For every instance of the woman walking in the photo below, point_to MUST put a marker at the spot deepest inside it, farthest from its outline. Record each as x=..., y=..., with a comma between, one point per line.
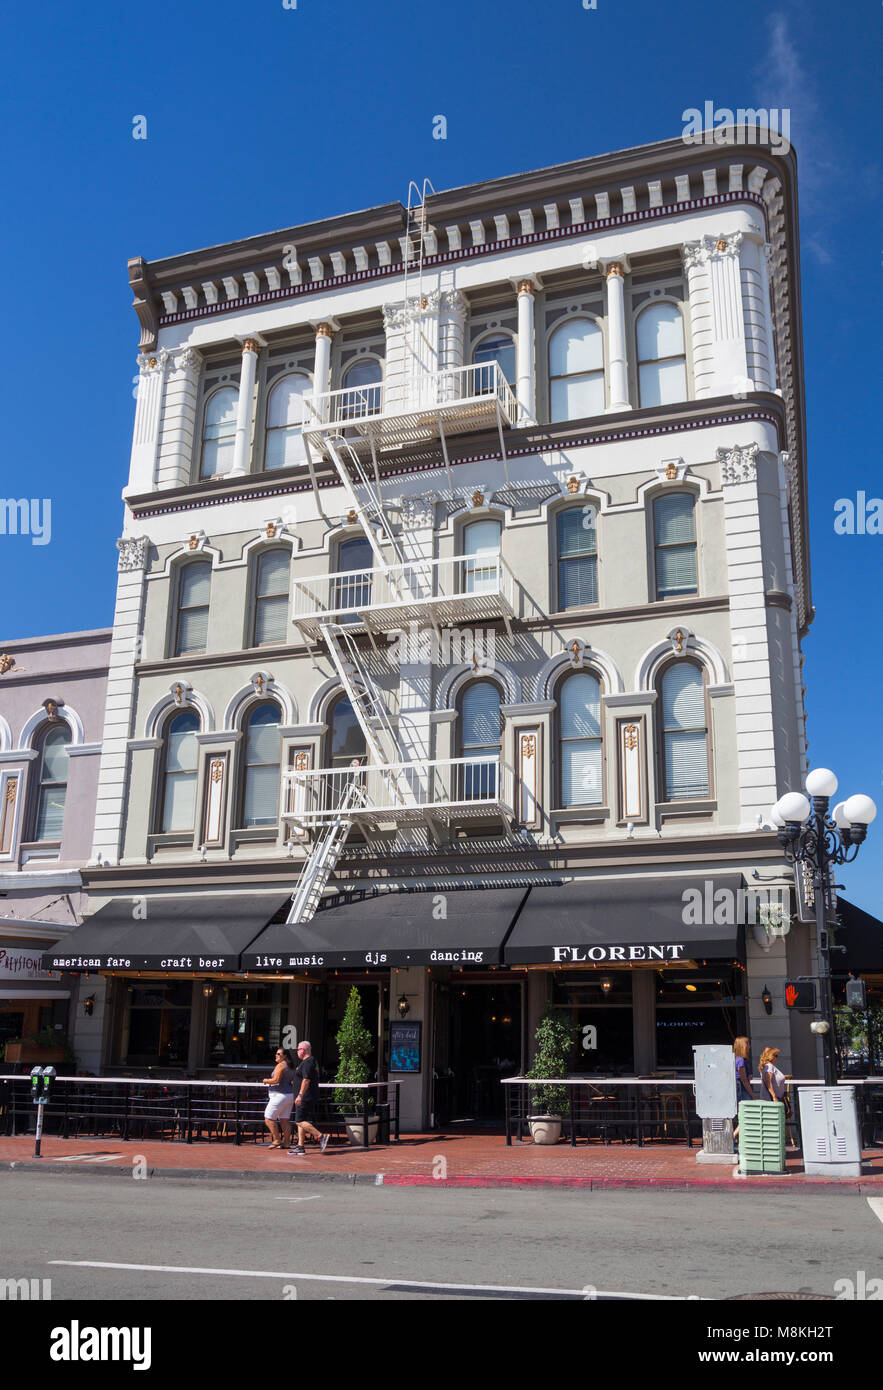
x=773, y=1081
x=277, y=1115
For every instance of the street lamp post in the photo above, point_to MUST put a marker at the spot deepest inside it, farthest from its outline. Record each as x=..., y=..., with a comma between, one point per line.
x=809, y=835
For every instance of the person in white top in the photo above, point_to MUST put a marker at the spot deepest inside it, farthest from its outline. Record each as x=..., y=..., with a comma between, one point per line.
x=772, y=1081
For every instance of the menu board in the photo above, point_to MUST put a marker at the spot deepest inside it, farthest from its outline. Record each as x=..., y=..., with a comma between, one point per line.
x=405, y=1041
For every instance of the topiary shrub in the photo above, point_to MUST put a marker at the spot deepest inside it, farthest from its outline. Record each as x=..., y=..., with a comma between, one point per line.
x=553, y=1046
x=353, y=1045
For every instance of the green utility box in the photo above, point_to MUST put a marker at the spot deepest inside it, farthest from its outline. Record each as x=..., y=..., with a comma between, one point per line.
x=761, y=1136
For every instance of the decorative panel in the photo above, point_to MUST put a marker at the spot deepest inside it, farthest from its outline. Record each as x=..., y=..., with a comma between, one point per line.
x=299, y=760
x=215, y=800
x=10, y=800
x=632, y=779
x=529, y=777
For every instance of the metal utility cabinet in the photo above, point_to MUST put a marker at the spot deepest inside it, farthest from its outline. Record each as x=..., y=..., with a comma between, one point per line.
x=829, y=1130
x=715, y=1086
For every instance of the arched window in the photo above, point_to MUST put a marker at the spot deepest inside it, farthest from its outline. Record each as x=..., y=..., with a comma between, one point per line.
x=577, y=557
x=480, y=739
x=499, y=348
x=285, y=409
x=346, y=741
x=684, y=733
x=219, y=431
x=579, y=732
x=353, y=584
x=261, y=768
x=271, y=597
x=362, y=383
x=662, y=365
x=674, y=535
x=179, y=780
x=481, y=546
x=576, y=370
x=191, y=619
x=52, y=787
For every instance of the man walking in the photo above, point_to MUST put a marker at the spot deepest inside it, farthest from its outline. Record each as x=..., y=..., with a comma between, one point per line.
x=307, y=1074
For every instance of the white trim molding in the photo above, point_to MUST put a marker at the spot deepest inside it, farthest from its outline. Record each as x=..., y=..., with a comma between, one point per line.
x=41, y=717
x=691, y=646
x=577, y=657
x=450, y=687
x=262, y=686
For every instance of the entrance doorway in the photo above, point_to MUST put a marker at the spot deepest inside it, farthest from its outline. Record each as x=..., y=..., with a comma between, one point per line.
x=479, y=1032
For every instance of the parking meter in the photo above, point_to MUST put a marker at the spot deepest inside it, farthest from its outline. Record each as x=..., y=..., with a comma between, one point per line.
x=41, y=1085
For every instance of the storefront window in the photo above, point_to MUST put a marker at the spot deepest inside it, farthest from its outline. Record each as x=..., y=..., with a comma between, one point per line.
x=245, y=1024
x=694, y=1008
x=600, y=1009
x=156, y=1024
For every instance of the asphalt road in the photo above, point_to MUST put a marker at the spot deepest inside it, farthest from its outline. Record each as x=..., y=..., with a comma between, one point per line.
x=180, y=1239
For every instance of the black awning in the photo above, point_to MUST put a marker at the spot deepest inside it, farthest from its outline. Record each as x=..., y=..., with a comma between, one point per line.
x=862, y=935
x=199, y=931
x=591, y=921
x=432, y=927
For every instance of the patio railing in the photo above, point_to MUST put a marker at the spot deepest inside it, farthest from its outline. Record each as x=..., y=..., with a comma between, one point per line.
x=180, y=1111
x=643, y=1107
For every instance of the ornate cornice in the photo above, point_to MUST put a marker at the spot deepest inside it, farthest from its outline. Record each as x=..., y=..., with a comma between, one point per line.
x=451, y=303
x=133, y=553
x=699, y=253
x=739, y=464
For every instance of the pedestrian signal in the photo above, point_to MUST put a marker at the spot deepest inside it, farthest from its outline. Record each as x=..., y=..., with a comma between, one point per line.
x=800, y=994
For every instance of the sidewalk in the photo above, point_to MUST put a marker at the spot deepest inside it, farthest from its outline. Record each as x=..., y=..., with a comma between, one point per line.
x=430, y=1160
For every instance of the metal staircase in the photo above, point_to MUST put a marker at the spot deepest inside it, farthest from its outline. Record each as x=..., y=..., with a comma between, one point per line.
x=323, y=859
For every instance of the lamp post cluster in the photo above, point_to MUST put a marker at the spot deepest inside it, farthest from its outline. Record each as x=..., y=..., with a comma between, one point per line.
x=810, y=835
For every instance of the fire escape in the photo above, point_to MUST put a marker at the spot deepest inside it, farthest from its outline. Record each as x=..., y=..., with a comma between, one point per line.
x=352, y=429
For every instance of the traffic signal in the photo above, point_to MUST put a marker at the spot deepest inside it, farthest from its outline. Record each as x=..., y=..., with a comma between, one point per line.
x=856, y=994
x=801, y=994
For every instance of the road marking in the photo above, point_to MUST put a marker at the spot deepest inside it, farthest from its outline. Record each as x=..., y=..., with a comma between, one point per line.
x=299, y=1199
x=433, y=1285
x=87, y=1158
x=876, y=1205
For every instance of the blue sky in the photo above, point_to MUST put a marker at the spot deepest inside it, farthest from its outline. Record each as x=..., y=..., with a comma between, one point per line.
x=260, y=117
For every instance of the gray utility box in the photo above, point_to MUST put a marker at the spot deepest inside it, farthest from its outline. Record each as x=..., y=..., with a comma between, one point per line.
x=829, y=1130
x=715, y=1072
x=715, y=1086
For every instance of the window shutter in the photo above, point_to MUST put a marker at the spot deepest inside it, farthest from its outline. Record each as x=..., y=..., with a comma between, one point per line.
x=480, y=715
x=581, y=772
x=674, y=519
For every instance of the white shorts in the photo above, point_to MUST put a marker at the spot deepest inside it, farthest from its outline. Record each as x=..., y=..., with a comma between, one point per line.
x=279, y=1106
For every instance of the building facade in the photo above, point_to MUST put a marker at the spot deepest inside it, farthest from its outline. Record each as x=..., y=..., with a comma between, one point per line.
x=52, y=705
x=461, y=588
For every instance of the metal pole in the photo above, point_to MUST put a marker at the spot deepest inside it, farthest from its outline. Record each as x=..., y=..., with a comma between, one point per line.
x=40, y=1108
x=820, y=885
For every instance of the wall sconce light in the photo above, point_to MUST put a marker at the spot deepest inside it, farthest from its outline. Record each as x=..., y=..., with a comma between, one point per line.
x=403, y=1006
x=767, y=1000
x=606, y=985
x=208, y=989
x=89, y=1006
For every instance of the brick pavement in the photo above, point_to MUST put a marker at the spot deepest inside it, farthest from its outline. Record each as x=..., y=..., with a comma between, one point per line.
x=429, y=1159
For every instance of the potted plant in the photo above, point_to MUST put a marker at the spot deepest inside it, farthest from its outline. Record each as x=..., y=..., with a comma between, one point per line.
x=549, y=1104
x=46, y=1047
x=354, y=1045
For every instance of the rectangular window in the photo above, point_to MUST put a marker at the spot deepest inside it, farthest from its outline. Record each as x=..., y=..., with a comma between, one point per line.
x=675, y=545
x=195, y=583
x=271, y=598
x=577, y=559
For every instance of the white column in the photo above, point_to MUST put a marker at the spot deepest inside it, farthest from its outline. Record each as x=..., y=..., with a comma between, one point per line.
x=720, y=363
x=176, y=465
x=322, y=361
x=750, y=666
x=244, y=408
x=527, y=354
x=126, y=648
x=617, y=369
x=148, y=413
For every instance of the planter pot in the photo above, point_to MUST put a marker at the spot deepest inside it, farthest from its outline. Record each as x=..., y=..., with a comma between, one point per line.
x=355, y=1128
x=545, y=1129
x=33, y=1053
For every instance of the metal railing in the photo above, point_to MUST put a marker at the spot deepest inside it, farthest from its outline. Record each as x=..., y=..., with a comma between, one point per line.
x=431, y=391
x=141, y=1108
x=441, y=784
x=642, y=1108
x=463, y=582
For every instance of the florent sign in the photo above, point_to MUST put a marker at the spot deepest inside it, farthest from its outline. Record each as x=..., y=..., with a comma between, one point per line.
x=574, y=955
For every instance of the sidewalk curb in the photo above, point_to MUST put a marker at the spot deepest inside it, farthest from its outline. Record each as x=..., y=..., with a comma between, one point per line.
x=853, y=1186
